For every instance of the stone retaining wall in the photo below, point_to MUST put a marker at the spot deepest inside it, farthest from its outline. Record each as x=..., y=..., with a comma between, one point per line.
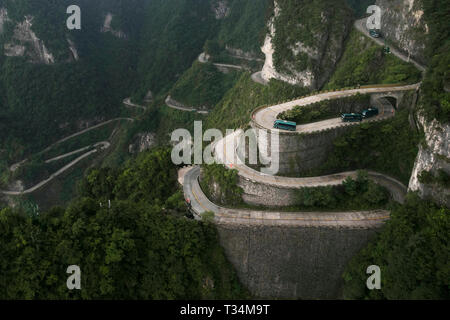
x=299, y=153
x=292, y=262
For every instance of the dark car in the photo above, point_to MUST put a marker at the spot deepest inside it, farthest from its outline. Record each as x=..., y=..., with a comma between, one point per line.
x=351, y=117
x=375, y=33
x=368, y=113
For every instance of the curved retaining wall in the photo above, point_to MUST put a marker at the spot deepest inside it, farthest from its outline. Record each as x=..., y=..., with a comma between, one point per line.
x=261, y=194
x=299, y=153
x=292, y=262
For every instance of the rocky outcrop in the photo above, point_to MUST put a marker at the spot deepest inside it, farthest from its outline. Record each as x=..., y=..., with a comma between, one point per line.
x=433, y=156
x=307, y=51
x=221, y=9
x=25, y=43
x=73, y=50
x=3, y=18
x=143, y=142
x=269, y=71
x=241, y=54
x=402, y=22
x=107, y=27
x=148, y=97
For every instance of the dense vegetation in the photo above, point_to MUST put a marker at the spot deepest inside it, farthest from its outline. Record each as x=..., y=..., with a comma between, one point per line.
x=235, y=108
x=203, y=85
x=354, y=194
x=364, y=62
x=413, y=253
x=226, y=192
x=53, y=96
x=376, y=146
x=326, y=109
x=140, y=248
x=244, y=27
x=41, y=103
x=435, y=100
x=143, y=247
x=172, y=38
x=441, y=178
x=308, y=23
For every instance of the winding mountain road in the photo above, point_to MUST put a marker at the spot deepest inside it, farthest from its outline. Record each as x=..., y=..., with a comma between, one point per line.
x=265, y=117
x=171, y=103
x=84, y=131
x=225, y=153
x=350, y=219
x=361, y=25
x=203, y=59
x=103, y=145
x=127, y=102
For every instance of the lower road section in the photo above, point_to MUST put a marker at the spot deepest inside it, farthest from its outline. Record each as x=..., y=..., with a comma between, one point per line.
x=201, y=204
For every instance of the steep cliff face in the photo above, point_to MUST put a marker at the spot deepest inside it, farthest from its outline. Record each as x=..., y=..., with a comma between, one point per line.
x=305, y=40
x=3, y=18
x=221, y=9
x=24, y=42
x=107, y=27
x=142, y=142
x=402, y=22
x=433, y=160
x=37, y=29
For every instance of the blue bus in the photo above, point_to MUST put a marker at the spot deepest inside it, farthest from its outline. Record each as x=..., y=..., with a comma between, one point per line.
x=371, y=112
x=285, y=125
x=351, y=117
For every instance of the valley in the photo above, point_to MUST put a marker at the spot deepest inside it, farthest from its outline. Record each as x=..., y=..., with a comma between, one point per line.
x=88, y=177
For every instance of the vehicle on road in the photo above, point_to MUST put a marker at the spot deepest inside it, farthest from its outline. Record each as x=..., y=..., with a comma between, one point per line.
x=371, y=112
x=351, y=117
x=285, y=125
x=375, y=33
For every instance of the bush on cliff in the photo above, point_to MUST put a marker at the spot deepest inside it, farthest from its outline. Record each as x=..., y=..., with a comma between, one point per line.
x=142, y=247
x=221, y=184
x=388, y=146
x=413, y=253
x=234, y=110
x=355, y=194
x=364, y=62
x=203, y=85
x=326, y=109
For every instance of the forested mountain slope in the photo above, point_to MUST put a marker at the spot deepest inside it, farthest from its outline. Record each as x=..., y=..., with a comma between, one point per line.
x=55, y=82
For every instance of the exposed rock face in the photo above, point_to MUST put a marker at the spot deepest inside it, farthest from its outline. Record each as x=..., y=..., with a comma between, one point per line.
x=221, y=9
x=433, y=157
x=107, y=27
x=304, y=52
x=269, y=71
x=148, y=97
x=73, y=49
x=215, y=193
x=3, y=18
x=402, y=22
x=25, y=43
x=241, y=54
x=143, y=142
